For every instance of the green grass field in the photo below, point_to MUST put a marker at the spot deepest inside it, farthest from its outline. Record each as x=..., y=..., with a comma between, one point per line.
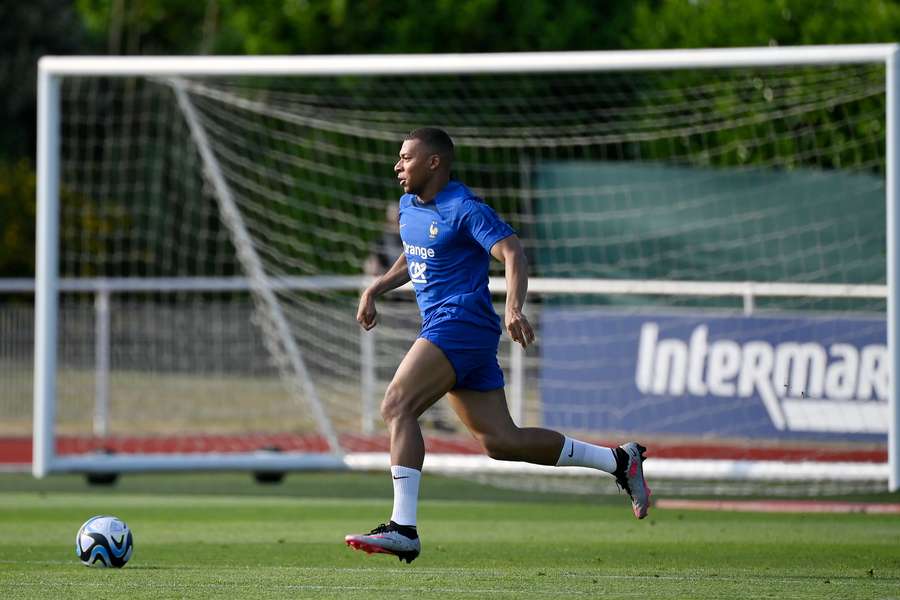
x=223, y=536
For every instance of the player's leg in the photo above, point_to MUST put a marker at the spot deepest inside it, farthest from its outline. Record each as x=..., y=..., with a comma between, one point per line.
x=486, y=415
x=422, y=378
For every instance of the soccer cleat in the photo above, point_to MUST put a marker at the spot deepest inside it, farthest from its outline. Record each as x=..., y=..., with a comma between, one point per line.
x=630, y=477
x=399, y=540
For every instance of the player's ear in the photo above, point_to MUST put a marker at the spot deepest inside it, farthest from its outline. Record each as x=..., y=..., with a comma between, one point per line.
x=434, y=162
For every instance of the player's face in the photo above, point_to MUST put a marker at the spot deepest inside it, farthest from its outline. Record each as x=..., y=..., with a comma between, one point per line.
x=415, y=167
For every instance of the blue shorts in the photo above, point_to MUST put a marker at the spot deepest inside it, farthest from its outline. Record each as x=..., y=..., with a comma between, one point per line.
x=471, y=350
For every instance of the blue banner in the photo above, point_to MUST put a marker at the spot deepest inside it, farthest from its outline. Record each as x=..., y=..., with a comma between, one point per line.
x=721, y=376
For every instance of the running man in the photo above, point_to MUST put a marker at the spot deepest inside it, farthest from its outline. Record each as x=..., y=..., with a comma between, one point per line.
x=449, y=236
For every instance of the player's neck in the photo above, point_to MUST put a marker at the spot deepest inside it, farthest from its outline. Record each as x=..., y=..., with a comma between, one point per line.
x=433, y=188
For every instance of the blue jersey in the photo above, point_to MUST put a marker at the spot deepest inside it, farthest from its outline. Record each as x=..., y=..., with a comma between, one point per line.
x=447, y=243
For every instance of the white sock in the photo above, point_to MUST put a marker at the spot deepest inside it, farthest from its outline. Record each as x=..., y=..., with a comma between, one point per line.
x=581, y=454
x=406, y=494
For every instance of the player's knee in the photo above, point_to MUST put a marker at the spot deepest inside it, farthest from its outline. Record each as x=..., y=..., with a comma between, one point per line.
x=396, y=404
x=500, y=447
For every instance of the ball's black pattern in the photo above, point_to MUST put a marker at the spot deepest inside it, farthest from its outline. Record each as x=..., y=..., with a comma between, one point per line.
x=104, y=541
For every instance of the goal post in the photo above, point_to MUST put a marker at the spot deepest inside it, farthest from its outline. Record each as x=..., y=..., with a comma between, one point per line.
x=892, y=202
x=290, y=158
x=46, y=271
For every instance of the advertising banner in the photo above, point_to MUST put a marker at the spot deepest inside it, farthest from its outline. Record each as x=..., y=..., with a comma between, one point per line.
x=723, y=376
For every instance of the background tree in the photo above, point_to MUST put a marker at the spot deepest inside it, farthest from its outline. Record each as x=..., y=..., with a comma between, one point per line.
x=342, y=27
x=29, y=30
x=732, y=23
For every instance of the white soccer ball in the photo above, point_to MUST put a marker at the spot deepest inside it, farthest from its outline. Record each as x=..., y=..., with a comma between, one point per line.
x=104, y=541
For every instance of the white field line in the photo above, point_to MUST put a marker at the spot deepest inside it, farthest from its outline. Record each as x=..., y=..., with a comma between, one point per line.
x=780, y=506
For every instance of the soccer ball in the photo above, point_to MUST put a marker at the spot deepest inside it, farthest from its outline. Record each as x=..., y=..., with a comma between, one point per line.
x=104, y=541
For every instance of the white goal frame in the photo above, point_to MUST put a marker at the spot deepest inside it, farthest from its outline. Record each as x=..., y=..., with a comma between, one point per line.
x=48, y=284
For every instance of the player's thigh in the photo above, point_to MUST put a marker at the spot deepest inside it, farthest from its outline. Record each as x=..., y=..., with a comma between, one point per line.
x=423, y=377
x=485, y=414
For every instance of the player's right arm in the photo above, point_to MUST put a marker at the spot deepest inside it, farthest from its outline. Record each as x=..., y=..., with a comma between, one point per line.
x=396, y=276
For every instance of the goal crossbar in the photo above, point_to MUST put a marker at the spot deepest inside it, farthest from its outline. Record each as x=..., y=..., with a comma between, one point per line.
x=495, y=62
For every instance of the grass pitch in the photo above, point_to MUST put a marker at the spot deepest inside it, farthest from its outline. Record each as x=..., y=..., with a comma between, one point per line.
x=221, y=535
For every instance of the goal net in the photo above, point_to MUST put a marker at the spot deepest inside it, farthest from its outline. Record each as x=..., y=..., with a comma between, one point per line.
x=707, y=249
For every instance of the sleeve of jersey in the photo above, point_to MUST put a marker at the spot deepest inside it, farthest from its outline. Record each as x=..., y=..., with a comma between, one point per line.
x=481, y=222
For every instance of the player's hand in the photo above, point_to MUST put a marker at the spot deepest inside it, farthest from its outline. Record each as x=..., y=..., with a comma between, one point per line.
x=366, y=314
x=519, y=328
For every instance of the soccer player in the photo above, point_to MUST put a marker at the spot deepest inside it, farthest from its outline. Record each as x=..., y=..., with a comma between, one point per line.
x=449, y=236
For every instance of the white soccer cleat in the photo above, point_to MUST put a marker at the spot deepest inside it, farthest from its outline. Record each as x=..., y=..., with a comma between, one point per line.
x=630, y=477
x=399, y=540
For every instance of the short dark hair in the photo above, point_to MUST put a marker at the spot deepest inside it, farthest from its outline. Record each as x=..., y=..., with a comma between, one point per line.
x=437, y=140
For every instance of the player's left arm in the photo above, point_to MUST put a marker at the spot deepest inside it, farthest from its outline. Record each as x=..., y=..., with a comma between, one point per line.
x=509, y=251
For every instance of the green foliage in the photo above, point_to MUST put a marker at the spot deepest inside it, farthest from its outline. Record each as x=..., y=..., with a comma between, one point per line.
x=730, y=23
x=154, y=27
x=378, y=26
x=17, y=223
x=29, y=30
x=341, y=27
x=17, y=219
